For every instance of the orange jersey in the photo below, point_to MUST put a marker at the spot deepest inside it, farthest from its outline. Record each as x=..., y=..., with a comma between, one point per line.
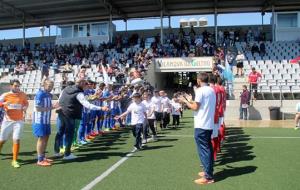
x=14, y=105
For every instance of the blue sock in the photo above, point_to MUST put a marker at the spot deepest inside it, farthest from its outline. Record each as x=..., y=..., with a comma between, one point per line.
x=41, y=158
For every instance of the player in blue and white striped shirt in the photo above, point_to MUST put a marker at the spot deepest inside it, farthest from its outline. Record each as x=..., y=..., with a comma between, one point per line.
x=41, y=126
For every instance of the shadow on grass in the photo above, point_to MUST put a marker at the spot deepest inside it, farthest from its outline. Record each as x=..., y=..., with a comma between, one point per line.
x=235, y=149
x=233, y=172
x=156, y=147
x=101, y=148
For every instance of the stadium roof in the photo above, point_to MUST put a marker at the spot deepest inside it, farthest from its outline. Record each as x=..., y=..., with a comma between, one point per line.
x=56, y=12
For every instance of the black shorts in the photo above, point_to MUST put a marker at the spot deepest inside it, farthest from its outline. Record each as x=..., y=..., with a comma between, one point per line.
x=240, y=65
x=158, y=116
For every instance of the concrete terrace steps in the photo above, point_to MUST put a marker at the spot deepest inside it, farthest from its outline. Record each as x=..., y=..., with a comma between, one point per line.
x=260, y=109
x=238, y=86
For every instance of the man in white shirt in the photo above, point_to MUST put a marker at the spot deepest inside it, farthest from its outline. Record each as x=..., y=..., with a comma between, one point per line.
x=156, y=100
x=204, y=110
x=138, y=116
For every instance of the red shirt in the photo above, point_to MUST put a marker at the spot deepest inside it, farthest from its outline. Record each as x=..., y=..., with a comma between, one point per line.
x=218, y=100
x=222, y=106
x=253, y=77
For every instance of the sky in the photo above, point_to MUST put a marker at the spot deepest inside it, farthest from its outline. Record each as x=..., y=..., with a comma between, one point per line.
x=150, y=23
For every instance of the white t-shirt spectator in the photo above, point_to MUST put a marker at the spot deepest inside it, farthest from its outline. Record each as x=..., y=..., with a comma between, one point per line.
x=149, y=109
x=166, y=104
x=157, y=103
x=204, y=117
x=137, y=113
x=176, y=108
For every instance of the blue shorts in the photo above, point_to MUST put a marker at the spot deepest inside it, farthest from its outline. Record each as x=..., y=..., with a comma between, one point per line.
x=40, y=130
x=99, y=113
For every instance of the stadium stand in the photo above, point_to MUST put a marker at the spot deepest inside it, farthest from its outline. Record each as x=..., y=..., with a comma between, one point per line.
x=12, y=58
x=279, y=76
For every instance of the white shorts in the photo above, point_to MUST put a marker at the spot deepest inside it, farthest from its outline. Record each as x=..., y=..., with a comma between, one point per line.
x=221, y=121
x=11, y=127
x=215, y=132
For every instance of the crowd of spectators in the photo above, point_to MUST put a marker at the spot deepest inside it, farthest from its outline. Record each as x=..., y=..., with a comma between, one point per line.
x=130, y=57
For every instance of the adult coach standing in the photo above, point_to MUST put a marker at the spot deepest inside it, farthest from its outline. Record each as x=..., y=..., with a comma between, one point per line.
x=204, y=110
x=72, y=101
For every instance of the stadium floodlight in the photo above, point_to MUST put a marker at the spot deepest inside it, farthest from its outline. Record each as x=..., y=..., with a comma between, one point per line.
x=203, y=21
x=183, y=22
x=193, y=22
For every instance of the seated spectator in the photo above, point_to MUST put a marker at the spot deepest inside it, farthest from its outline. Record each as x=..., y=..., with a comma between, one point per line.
x=64, y=82
x=109, y=70
x=85, y=62
x=19, y=69
x=82, y=73
x=67, y=68
x=31, y=66
x=254, y=49
x=262, y=49
x=55, y=66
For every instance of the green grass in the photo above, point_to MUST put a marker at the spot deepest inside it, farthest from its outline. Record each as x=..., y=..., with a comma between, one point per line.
x=171, y=163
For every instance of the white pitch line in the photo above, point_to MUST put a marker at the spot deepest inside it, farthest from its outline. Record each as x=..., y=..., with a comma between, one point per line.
x=108, y=171
x=251, y=137
x=254, y=137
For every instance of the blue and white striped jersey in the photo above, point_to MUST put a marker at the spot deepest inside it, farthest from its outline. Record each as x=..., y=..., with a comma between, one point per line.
x=42, y=99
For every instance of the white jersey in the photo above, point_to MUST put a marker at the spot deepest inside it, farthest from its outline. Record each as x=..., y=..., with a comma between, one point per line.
x=150, y=109
x=157, y=103
x=137, y=113
x=166, y=104
x=176, y=107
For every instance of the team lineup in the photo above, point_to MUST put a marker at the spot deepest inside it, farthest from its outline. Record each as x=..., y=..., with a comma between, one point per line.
x=85, y=111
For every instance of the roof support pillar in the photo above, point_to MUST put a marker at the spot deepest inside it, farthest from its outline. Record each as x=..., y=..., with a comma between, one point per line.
x=126, y=26
x=216, y=25
x=110, y=31
x=273, y=24
x=23, y=26
x=169, y=22
x=161, y=27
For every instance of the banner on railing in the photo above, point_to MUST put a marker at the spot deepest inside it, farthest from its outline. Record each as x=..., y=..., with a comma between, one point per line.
x=184, y=64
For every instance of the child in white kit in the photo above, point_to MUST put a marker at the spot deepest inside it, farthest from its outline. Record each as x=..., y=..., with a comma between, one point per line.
x=138, y=116
x=176, y=108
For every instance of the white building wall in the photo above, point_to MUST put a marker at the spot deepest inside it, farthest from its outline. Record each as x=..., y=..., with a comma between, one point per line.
x=287, y=33
x=85, y=40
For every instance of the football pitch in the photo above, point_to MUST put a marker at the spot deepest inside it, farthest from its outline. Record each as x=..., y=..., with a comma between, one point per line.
x=251, y=158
